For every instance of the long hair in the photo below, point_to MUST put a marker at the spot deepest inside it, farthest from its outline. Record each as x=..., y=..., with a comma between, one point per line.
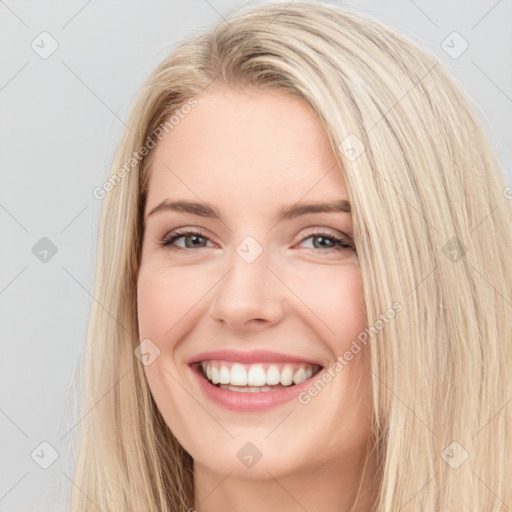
x=432, y=227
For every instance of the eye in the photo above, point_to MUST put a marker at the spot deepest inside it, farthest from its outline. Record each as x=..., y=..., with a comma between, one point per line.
x=329, y=241
x=195, y=239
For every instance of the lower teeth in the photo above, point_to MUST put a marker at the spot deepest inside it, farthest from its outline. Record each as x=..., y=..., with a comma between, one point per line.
x=250, y=389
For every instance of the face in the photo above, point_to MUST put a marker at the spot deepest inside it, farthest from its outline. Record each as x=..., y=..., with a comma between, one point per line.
x=231, y=284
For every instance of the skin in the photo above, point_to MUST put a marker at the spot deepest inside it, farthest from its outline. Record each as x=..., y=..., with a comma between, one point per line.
x=250, y=154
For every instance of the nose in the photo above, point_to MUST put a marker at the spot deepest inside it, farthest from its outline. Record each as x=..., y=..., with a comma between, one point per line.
x=249, y=295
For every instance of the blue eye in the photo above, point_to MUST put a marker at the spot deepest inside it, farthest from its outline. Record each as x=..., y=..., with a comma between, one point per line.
x=195, y=240
x=334, y=241
x=189, y=234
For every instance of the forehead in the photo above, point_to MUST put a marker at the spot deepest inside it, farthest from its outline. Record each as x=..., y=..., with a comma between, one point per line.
x=263, y=145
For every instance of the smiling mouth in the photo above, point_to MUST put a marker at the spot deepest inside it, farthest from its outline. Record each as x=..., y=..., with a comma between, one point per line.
x=254, y=378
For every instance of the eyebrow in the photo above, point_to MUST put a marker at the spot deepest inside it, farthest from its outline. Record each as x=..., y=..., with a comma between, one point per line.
x=285, y=213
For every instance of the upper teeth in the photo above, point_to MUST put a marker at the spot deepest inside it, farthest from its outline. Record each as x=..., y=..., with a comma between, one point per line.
x=237, y=374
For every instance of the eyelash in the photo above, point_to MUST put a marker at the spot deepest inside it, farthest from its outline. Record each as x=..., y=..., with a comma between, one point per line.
x=342, y=243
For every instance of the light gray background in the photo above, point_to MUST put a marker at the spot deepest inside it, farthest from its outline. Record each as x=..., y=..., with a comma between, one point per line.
x=60, y=120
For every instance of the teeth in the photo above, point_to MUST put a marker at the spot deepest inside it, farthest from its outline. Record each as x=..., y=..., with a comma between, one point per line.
x=299, y=376
x=287, y=376
x=256, y=377
x=238, y=375
x=215, y=375
x=224, y=375
x=246, y=389
x=273, y=375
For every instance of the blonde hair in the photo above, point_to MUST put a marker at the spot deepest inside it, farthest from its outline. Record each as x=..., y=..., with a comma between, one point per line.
x=432, y=231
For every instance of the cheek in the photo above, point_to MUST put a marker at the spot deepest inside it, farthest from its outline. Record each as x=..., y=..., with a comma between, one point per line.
x=334, y=295
x=165, y=299
x=345, y=308
x=331, y=296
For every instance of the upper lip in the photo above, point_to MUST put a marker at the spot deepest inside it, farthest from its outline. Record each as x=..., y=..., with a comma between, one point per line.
x=254, y=356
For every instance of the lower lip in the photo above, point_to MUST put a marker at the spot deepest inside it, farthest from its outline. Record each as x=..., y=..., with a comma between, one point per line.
x=249, y=401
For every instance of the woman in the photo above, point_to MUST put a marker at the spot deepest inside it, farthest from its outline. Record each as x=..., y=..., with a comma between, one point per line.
x=303, y=300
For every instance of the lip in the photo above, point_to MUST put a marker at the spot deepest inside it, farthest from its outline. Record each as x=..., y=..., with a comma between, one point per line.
x=254, y=356
x=247, y=402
